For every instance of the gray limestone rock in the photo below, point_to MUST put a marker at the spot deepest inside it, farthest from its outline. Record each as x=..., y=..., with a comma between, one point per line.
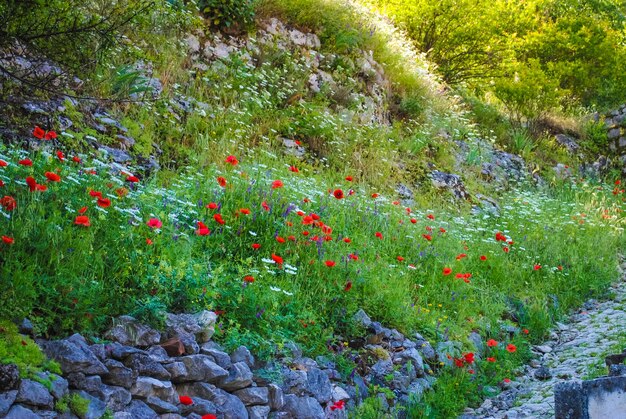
x=239, y=376
x=145, y=387
x=303, y=407
x=129, y=331
x=9, y=377
x=242, y=354
x=33, y=393
x=202, y=368
x=119, y=374
x=74, y=356
x=253, y=395
x=6, y=401
x=20, y=412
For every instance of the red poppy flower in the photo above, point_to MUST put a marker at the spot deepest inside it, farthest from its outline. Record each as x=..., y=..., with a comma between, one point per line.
x=53, y=177
x=461, y=256
x=82, y=210
x=536, y=267
x=8, y=203
x=245, y=211
x=442, y=230
x=349, y=178
x=277, y=259
x=82, y=220
x=154, y=223
x=3, y=163
x=447, y=271
x=277, y=184
x=148, y=241
x=330, y=263
x=374, y=195
x=26, y=162
x=186, y=400
x=525, y=331
x=280, y=239
x=505, y=249
x=103, y=202
x=400, y=258
x=507, y=380
x=76, y=159
x=248, y=278
x=395, y=203
x=294, y=169
x=60, y=155
x=430, y=217
x=32, y=183
x=50, y=135
x=265, y=206
x=338, y=193
x=39, y=133
x=491, y=343
x=338, y=405
x=7, y=239
x=427, y=237
x=379, y=235
x=500, y=237
x=95, y=194
x=202, y=230
x=232, y=160
x=483, y=258
x=218, y=218
x=491, y=359
x=469, y=357
x=212, y=205
x=413, y=220
x=132, y=179
x=459, y=362
x=347, y=240
x=221, y=180
x=256, y=246
x=353, y=256
x=209, y=416
x=511, y=348
x=291, y=238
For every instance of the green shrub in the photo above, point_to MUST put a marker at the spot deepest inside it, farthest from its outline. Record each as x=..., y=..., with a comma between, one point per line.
x=228, y=13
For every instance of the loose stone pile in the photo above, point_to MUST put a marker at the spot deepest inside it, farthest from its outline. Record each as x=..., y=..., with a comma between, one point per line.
x=142, y=373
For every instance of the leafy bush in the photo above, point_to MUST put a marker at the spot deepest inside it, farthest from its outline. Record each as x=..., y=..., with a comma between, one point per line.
x=228, y=13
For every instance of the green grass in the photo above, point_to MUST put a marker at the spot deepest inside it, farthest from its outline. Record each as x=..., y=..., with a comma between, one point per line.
x=71, y=278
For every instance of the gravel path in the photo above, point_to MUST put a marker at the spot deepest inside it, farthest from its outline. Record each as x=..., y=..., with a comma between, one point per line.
x=574, y=350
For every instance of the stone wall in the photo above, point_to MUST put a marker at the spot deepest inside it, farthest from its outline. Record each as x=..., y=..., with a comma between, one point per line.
x=180, y=372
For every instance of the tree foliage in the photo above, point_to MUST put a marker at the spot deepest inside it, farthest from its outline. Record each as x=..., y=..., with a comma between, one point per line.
x=577, y=47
